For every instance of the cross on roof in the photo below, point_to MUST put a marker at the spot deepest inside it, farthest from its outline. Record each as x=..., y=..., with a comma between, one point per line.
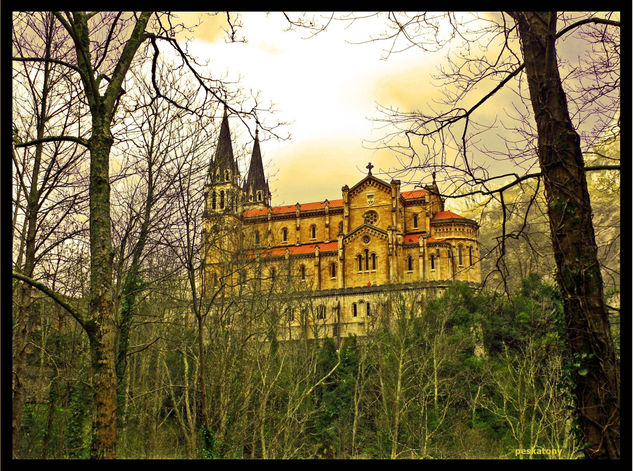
x=369, y=167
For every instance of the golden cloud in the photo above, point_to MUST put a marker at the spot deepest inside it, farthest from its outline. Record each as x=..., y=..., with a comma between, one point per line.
x=207, y=26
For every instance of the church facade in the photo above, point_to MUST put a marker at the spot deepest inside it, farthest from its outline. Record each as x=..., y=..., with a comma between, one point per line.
x=333, y=264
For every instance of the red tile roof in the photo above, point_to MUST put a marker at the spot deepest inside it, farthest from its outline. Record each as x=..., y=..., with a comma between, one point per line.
x=413, y=238
x=408, y=238
x=447, y=215
x=413, y=194
x=291, y=208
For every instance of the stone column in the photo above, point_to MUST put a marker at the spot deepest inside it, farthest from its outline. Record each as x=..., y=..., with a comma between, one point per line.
x=345, y=191
x=341, y=260
x=298, y=224
x=327, y=221
x=317, y=267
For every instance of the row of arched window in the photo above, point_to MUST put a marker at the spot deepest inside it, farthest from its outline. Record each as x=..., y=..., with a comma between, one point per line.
x=302, y=271
x=222, y=200
x=436, y=256
x=321, y=311
x=366, y=261
x=284, y=233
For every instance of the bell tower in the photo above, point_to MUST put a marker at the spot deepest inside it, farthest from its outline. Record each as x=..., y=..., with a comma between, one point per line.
x=222, y=207
x=223, y=180
x=256, y=191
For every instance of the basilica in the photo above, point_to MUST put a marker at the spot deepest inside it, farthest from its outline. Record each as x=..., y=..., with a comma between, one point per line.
x=332, y=263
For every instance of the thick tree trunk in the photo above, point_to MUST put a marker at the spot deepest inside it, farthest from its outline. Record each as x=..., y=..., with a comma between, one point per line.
x=101, y=328
x=597, y=381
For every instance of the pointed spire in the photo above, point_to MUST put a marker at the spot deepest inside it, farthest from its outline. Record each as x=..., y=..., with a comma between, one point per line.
x=224, y=159
x=256, y=179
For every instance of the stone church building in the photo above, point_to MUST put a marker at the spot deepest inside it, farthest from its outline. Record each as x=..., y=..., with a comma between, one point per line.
x=332, y=264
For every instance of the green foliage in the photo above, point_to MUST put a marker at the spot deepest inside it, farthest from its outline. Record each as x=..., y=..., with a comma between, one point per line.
x=78, y=435
x=459, y=376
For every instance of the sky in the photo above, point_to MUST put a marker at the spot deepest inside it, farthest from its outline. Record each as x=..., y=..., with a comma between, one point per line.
x=328, y=87
x=325, y=87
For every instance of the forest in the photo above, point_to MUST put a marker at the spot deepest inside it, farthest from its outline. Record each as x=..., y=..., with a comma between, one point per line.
x=119, y=351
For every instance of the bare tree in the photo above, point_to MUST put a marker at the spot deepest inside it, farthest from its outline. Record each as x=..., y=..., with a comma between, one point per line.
x=557, y=118
x=104, y=47
x=48, y=187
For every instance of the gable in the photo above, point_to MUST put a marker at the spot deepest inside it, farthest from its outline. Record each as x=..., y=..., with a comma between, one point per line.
x=370, y=182
x=365, y=229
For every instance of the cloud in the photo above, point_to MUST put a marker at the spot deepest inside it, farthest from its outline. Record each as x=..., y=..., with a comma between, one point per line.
x=207, y=27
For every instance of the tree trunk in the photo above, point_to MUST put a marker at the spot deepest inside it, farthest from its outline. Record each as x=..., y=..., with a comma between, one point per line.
x=597, y=381
x=101, y=329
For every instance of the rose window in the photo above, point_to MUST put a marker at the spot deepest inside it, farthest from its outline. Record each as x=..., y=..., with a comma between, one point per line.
x=370, y=217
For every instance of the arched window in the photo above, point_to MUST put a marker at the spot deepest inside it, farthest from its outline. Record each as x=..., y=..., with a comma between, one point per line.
x=250, y=197
x=222, y=199
x=368, y=309
x=302, y=271
x=470, y=255
x=227, y=175
x=215, y=279
x=366, y=259
x=354, y=310
x=410, y=263
x=259, y=195
x=432, y=262
x=415, y=220
x=321, y=312
x=256, y=237
x=340, y=227
x=313, y=231
x=360, y=262
x=333, y=269
x=291, y=314
x=272, y=273
x=459, y=255
x=373, y=261
x=284, y=234
x=213, y=200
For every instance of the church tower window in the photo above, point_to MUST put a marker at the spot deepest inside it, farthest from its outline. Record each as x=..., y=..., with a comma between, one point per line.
x=256, y=237
x=259, y=195
x=222, y=199
x=340, y=227
x=432, y=262
x=213, y=200
x=415, y=221
x=313, y=231
x=373, y=261
x=333, y=269
x=284, y=234
x=410, y=263
x=370, y=217
x=302, y=272
x=366, y=259
x=227, y=175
